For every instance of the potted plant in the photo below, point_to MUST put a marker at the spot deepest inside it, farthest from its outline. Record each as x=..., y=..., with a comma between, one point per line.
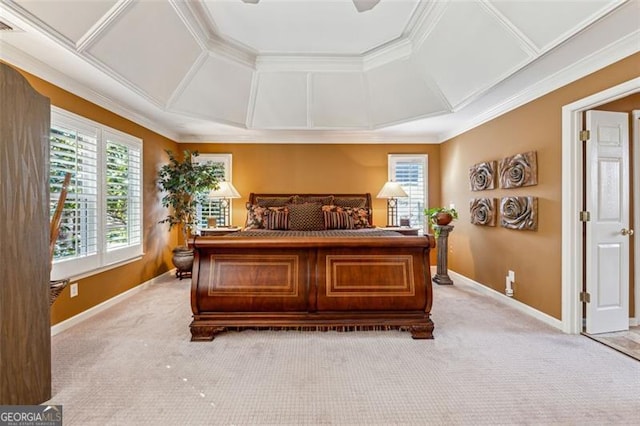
x=186, y=184
x=440, y=216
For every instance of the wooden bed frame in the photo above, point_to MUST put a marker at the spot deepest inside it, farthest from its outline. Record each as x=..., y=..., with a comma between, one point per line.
x=342, y=283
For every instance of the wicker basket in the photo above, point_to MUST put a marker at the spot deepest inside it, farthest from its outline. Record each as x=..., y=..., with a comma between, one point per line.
x=55, y=288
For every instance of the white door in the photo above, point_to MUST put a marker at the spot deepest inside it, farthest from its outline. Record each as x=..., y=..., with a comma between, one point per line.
x=607, y=233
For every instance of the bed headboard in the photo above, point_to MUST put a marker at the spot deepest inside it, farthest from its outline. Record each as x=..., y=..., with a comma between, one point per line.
x=367, y=197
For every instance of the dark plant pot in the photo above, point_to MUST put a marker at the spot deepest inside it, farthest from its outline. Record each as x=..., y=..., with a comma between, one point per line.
x=443, y=218
x=183, y=261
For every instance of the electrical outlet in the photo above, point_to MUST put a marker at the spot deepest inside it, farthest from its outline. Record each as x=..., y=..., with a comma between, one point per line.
x=512, y=276
x=452, y=206
x=73, y=289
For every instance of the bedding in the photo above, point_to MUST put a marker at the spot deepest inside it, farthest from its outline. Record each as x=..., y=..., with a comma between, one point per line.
x=272, y=276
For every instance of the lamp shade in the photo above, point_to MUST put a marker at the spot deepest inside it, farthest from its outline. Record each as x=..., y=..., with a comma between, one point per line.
x=391, y=190
x=225, y=190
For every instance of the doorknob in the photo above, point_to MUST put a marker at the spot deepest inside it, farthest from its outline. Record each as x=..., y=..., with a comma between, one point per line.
x=626, y=231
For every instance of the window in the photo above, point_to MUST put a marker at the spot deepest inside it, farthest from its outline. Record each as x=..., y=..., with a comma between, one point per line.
x=102, y=217
x=410, y=171
x=213, y=208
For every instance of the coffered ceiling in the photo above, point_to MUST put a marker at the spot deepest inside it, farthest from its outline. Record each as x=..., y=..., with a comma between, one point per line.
x=315, y=70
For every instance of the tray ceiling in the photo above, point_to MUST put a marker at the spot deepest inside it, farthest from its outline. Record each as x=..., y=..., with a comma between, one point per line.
x=312, y=70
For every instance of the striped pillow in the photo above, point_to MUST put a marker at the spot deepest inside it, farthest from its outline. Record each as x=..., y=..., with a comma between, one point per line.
x=277, y=219
x=359, y=217
x=337, y=220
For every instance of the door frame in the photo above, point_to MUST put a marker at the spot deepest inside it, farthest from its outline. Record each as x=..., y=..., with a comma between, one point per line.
x=636, y=209
x=572, y=187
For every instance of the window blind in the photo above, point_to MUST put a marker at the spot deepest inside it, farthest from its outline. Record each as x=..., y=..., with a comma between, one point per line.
x=212, y=207
x=75, y=151
x=410, y=171
x=102, y=216
x=123, y=200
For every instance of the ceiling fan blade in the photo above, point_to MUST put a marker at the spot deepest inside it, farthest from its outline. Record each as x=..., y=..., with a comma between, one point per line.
x=364, y=5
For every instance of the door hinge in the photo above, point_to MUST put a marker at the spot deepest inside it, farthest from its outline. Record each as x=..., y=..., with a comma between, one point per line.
x=585, y=297
x=585, y=135
x=585, y=216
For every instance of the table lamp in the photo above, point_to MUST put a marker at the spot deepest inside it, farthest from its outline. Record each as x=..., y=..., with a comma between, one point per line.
x=392, y=191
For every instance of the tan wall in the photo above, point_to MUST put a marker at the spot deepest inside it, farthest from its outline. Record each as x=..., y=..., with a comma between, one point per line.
x=157, y=242
x=485, y=254
x=316, y=168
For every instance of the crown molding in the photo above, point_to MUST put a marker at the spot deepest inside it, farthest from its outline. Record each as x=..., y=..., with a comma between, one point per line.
x=36, y=67
x=525, y=42
x=198, y=19
x=33, y=23
x=418, y=17
x=152, y=113
x=279, y=63
x=101, y=25
x=231, y=50
x=321, y=137
x=193, y=70
x=426, y=22
x=606, y=56
x=477, y=94
x=395, y=50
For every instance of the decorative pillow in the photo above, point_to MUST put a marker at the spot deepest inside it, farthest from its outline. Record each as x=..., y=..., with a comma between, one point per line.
x=306, y=217
x=274, y=201
x=360, y=217
x=277, y=219
x=337, y=220
x=256, y=216
x=311, y=199
x=357, y=202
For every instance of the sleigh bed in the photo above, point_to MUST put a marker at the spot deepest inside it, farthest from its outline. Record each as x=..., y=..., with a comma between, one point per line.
x=304, y=277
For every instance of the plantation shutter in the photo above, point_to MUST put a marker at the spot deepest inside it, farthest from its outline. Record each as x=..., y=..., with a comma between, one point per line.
x=410, y=171
x=101, y=221
x=123, y=198
x=75, y=149
x=212, y=207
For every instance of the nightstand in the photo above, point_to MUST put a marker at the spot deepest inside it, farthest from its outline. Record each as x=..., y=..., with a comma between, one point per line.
x=404, y=230
x=217, y=232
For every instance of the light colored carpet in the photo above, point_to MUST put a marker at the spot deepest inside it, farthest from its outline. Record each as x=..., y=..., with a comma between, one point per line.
x=133, y=364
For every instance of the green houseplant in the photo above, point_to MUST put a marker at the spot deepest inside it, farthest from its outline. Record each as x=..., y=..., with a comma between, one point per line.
x=440, y=216
x=185, y=183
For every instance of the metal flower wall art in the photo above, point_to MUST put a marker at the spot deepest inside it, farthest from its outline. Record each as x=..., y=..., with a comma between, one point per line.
x=483, y=211
x=519, y=213
x=519, y=170
x=482, y=176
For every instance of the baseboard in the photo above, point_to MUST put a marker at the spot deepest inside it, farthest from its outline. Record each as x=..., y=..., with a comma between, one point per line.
x=634, y=322
x=547, y=319
x=82, y=316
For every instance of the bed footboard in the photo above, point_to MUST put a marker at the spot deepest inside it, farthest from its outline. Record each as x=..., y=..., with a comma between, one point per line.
x=321, y=283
